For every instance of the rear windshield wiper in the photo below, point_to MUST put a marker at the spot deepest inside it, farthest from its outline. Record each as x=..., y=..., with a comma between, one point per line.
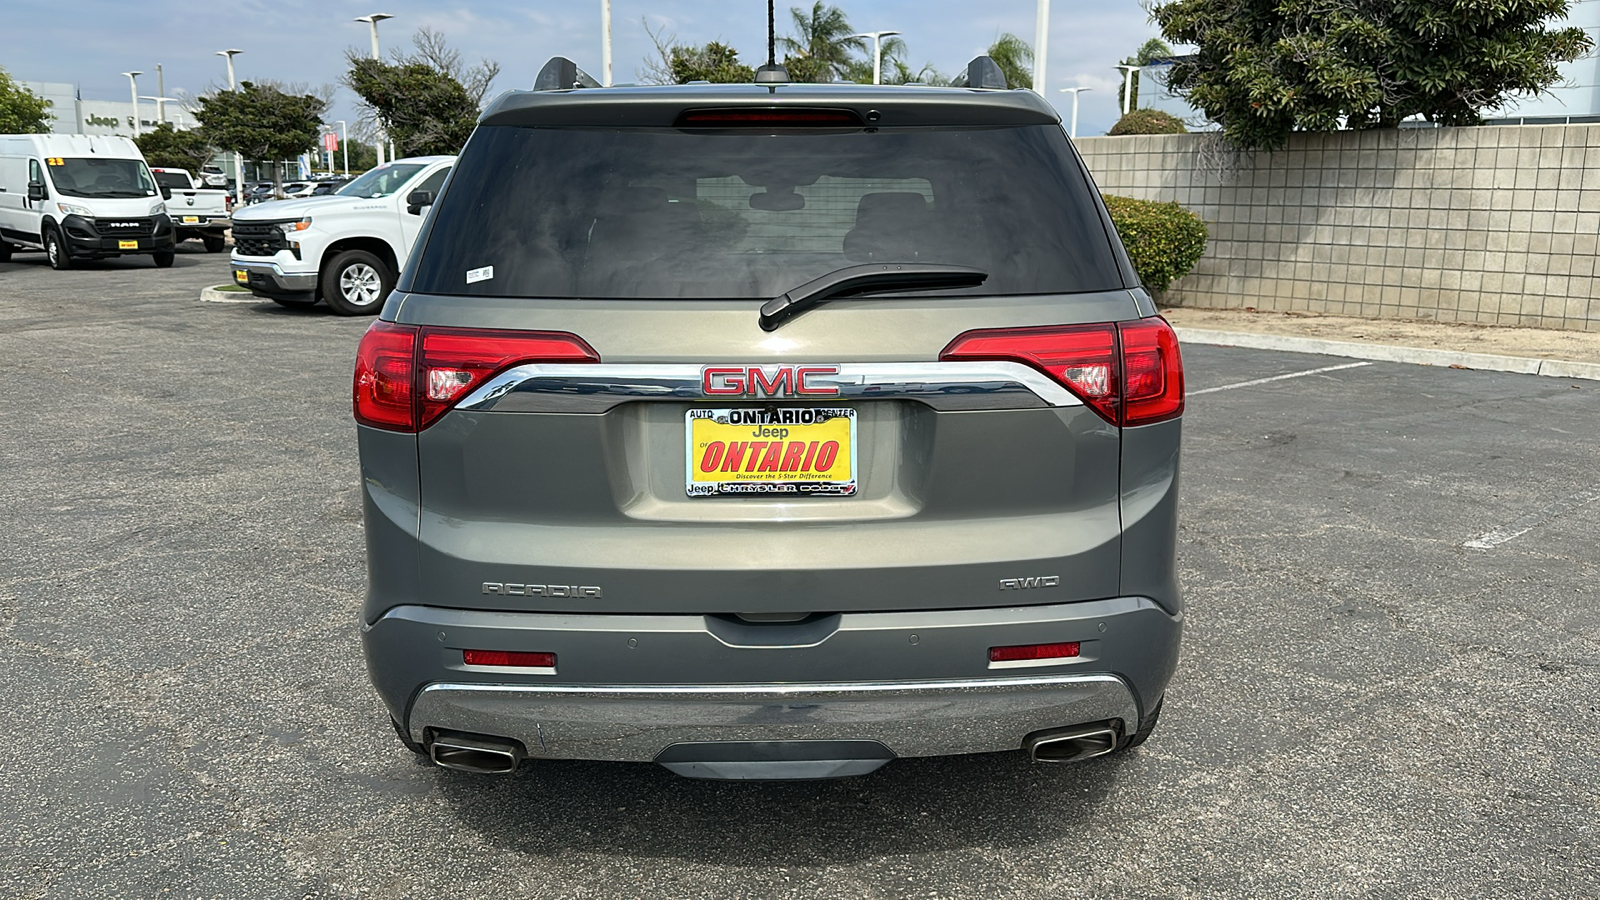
x=873, y=278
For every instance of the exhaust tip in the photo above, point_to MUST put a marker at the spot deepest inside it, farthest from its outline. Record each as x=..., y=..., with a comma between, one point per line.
x=1072, y=744
x=478, y=754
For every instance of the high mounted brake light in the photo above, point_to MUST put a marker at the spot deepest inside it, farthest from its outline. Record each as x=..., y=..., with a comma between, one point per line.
x=407, y=377
x=770, y=118
x=1130, y=373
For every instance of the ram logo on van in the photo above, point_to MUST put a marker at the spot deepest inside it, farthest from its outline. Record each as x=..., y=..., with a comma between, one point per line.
x=1023, y=584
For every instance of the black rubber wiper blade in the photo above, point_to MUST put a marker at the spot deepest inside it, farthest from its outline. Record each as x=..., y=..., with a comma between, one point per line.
x=872, y=278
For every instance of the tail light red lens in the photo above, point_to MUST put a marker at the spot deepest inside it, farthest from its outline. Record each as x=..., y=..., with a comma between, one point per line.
x=1152, y=372
x=407, y=377
x=453, y=362
x=772, y=118
x=384, y=365
x=510, y=658
x=1027, y=652
x=1130, y=373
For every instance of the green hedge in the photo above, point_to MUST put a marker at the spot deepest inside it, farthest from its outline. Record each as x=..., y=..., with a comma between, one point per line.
x=1148, y=121
x=1164, y=240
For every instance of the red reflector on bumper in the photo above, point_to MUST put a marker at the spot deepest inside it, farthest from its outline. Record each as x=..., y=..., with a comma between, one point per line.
x=1033, y=651
x=509, y=658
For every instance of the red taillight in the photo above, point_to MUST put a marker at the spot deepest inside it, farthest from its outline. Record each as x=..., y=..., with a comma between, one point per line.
x=384, y=364
x=1029, y=652
x=1152, y=372
x=509, y=658
x=773, y=118
x=407, y=377
x=1128, y=372
x=454, y=361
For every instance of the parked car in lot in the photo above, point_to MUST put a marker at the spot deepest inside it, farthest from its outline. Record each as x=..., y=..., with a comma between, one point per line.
x=196, y=211
x=295, y=189
x=79, y=197
x=346, y=249
x=771, y=431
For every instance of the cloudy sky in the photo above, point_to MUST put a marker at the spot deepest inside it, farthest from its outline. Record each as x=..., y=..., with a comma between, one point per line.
x=305, y=40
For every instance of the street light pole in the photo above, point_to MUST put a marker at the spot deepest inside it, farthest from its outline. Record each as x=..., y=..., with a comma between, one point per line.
x=133, y=89
x=373, y=20
x=877, y=51
x=605, y=43
x=1073, y=133
x=1041, y=46
x=238, y=160
x=344, y=145
x=1127, y=87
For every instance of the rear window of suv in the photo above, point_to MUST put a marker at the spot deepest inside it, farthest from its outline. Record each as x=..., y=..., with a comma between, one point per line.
x=666, y=213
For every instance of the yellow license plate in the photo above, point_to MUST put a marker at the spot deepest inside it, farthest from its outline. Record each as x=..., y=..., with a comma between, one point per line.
x=127, y=245
x=794, y=451
x=191, y=220
x=241, y=276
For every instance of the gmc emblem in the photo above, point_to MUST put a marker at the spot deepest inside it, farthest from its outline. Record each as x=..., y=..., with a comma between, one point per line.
x=766, y=381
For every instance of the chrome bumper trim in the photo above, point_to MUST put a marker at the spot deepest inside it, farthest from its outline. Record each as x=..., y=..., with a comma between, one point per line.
x=629, y=723
x=597, y=388
x=280, y=281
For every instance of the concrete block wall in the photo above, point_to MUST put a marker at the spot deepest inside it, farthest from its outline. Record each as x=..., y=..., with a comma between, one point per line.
x=1496, y=225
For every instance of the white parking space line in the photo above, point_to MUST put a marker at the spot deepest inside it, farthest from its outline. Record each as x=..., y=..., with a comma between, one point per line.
x=1229, y=387
x=1492, y=539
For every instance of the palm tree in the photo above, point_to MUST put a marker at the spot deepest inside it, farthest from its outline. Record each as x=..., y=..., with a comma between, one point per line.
x=1014, y=56
x=823, y=49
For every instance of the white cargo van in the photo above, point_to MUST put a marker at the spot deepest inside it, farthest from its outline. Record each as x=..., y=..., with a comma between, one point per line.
x=80, y=197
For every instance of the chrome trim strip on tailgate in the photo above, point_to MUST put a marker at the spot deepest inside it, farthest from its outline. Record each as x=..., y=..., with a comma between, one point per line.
x=539, y=387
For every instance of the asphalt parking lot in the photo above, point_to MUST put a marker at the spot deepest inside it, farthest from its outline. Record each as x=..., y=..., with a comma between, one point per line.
x=1366, y=705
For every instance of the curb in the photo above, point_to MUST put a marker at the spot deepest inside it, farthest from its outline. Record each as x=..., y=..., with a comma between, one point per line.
x=212, y=295
x=1489, y=362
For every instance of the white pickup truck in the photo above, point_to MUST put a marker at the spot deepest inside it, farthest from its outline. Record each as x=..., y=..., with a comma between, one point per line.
x=345, y=248
x=197, y=211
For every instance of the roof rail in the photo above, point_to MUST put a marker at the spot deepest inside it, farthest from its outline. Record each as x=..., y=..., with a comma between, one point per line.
x=562, y=74
x=984, y=73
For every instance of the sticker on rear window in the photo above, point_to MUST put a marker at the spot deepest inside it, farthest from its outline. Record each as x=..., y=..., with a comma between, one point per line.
x=476, y=275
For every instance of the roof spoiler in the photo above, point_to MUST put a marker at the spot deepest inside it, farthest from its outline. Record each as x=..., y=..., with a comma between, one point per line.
x=562, y=74
x=984, y=73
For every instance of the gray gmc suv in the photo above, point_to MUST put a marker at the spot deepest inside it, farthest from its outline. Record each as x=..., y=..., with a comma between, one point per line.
x=769, y=430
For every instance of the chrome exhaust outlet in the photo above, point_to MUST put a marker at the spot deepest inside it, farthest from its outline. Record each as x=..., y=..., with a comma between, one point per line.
x=1072, y=744
x=478, y=754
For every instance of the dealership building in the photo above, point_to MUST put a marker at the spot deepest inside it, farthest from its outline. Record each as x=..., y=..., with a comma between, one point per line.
x=105, y=117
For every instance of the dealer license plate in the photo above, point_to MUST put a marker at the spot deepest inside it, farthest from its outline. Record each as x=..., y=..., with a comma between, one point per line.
x=127, y=245
x=191, y=220
x=790, y=451
x=241, y=276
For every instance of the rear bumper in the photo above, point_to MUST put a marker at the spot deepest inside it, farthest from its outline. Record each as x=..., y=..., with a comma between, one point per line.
x=626, y=688
x=635, y=724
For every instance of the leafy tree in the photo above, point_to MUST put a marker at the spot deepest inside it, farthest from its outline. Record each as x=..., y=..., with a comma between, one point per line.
x=675, y=63
x=262, y=121
x=426, y=101
x=715, y=62
x=165, y=147
x=1149, y=52
x=1265, y=68
x=1014, y=56
x=823, y=49
x=1148, y=121
x=21, y=110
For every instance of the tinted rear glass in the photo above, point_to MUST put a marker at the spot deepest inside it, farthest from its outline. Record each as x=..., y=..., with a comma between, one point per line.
x=663, y=213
